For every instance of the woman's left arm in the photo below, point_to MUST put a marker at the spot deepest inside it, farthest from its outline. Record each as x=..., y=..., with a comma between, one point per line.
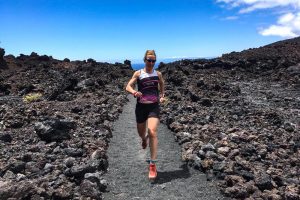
x=161, y=85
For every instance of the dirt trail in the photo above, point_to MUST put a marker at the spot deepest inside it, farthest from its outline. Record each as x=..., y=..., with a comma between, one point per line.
x=128, y=170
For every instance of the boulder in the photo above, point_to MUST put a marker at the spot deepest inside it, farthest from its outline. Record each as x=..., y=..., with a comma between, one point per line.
x=54, y=129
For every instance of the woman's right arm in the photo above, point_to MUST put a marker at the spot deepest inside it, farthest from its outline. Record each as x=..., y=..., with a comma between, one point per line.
x=132, y=81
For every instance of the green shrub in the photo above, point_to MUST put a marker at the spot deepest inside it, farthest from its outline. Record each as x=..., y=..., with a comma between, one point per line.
x=31, y=97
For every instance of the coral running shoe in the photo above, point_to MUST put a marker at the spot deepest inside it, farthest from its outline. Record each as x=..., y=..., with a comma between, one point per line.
x=152, y=171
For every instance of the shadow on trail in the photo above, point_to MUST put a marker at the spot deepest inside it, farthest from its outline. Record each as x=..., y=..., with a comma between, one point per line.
x=168, y=176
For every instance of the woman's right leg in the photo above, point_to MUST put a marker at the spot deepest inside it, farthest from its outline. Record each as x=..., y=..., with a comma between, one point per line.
x=141, y=124
x=141, y=127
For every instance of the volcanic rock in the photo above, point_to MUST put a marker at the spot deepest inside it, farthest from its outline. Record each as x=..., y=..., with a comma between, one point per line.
x=242, y=109
x=47, y=143
x=54, y=130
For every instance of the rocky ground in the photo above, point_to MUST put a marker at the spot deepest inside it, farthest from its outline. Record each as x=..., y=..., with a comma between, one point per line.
x=238, y=116
x=55, y=123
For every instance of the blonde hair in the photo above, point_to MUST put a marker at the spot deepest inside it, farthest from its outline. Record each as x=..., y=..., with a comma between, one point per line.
x=149, y=52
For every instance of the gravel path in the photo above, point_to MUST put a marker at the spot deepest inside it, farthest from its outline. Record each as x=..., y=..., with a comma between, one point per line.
x=128, y=169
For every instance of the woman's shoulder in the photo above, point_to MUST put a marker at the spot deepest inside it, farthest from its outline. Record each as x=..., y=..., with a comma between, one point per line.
x=137, y=73
x=158, y=72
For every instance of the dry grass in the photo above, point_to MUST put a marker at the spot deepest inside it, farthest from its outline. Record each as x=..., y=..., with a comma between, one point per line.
x=32, y=97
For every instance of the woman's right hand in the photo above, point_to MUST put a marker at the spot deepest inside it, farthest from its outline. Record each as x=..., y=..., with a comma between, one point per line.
x=138, y=94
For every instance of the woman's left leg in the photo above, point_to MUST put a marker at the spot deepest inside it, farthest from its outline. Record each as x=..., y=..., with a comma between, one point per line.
x=153, y=123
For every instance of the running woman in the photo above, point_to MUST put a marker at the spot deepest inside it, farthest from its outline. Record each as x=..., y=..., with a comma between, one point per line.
x=150, y=93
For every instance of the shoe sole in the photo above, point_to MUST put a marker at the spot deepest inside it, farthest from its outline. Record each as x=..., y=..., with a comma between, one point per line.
x=153, y=178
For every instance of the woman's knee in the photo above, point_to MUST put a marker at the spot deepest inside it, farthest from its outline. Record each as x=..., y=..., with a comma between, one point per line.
x=152, y=132
x=141, y=127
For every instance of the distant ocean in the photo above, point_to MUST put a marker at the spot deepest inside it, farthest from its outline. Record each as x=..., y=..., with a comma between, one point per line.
x=137, y=66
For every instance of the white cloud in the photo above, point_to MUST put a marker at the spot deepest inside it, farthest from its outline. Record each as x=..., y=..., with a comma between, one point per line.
x=251, y=5
x=276, y=30
x=288, y=24
x=231, y=18
x=286, y=18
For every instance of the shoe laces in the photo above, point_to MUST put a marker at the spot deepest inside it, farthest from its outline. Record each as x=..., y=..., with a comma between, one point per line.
x=152, y=167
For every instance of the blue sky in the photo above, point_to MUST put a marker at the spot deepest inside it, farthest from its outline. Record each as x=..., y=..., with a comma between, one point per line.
x=115, y=30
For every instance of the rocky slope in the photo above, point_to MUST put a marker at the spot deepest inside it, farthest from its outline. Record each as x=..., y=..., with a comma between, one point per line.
x=55, y=123
x=237, y=118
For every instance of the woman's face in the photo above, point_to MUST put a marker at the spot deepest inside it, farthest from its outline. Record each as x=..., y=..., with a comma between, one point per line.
x=150, y=60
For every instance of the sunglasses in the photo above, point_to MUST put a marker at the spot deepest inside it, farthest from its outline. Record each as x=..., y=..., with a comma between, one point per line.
x=151, y=61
